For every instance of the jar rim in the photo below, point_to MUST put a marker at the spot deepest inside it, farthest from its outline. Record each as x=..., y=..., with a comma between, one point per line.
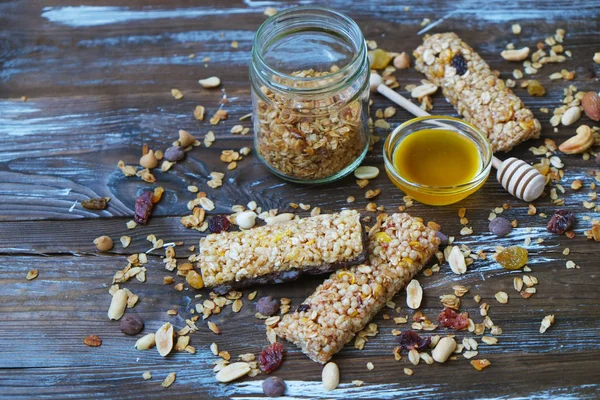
x=333, y=78
x=462, y=126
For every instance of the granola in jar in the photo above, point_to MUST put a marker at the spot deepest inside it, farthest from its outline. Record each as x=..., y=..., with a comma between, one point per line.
x=310, y=124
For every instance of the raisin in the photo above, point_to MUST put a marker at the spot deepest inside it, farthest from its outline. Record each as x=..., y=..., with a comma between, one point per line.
x=411, y=340
x=270, y=358
x=561, y=222
x=379, y=59
x=534, y=88
x=460, y=64
x=218, y=223
x=500, y=226
x=174, y=154
x=96, y=204
x=143, y=207
x=131, y=324
x=452, y=319
x=443, y=238
x=267, y=306
x=513, y=257
x=273, y=386
x=303, y=307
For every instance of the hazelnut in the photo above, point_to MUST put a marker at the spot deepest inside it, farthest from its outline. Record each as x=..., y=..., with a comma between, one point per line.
x=591, y=105
x=103, y=243
x=185, y=138
x=149, y=160
x=402, y=61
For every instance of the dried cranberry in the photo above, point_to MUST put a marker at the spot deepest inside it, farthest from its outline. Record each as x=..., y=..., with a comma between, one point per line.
x=218, y=223
x=561, y=222
x=270, y=358
x=303, y=307
x=451, y=319
x=143, y=207
x=460, y=64
x=267, y=306
x=411, y=340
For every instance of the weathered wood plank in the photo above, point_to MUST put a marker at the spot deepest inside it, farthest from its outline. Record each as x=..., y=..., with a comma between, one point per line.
x=98, y=77
x=68, y=303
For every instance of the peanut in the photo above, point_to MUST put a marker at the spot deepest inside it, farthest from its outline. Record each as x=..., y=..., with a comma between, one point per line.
x=145, y=342
x=246, y=219
x=280, y=218
x=164, y=339
x=570, y=116
x=515, y=55
x=457, y=261
x=366, y=172
x=444, y=348
x=414, y=294
x=583, y=140
x=211, y=82
x=233, y=371
x=402, y=61
x=103, y=243
x=118, y=305
x=330, y=376
x=423, y=90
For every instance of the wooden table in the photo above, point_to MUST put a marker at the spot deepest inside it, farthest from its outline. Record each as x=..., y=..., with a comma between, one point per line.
x=98, y=79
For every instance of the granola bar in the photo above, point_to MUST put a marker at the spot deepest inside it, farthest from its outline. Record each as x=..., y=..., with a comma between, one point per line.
x=345, y=303
x=475, y=91
x=278, y=253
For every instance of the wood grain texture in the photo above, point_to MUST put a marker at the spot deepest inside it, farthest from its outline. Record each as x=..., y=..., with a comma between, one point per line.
x=98, y=75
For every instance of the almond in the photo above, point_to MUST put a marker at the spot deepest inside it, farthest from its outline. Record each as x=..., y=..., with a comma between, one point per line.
x=591, y=105
x=579, y=143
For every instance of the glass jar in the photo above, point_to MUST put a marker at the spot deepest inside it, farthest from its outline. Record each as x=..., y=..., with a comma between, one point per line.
x=310, y=94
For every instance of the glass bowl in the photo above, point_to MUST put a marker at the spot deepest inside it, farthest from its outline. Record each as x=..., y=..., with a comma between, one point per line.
x=438, y=195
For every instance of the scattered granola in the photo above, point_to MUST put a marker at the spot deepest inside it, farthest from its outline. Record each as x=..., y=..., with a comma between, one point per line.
x=92, y=341
x=96, y=204
x=546, y=323
x=169, y=380
x=32, y=274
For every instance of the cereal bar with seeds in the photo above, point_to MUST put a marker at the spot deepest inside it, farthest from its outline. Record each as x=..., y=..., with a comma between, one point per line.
x=345, y=303
x=282, y=252
x=475, y=91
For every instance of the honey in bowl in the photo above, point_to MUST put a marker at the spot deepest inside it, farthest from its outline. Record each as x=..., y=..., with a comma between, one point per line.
x=437, y=160
x=437, y=157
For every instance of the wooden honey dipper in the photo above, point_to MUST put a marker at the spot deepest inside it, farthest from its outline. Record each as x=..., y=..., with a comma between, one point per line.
x=516, y=176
